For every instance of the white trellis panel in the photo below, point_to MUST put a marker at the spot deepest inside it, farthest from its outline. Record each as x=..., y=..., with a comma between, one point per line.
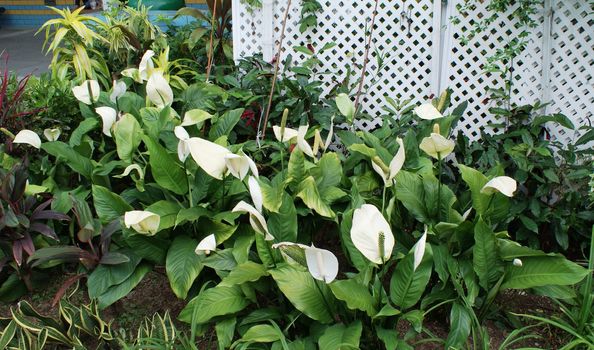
x=557, y=65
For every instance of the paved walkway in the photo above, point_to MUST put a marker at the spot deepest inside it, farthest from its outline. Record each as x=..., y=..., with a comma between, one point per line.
x=25, y=51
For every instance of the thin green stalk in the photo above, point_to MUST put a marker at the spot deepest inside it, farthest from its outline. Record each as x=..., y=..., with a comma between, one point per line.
x=384, y=200
x=587, y=303
x=439, y=161
x=223, y=195
x=190, y=199
x=271, y=254
x=316, y=282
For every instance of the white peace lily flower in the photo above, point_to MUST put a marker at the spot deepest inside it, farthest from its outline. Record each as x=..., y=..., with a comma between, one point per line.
x=256, y=219
x=321, y=263
x=207, y=245
x=436, y=145
x=419, y=250
x=158, y=90
x=209, y=156
x=146, y=66
x=240, y=164
x=88, y=92
x=287, y=136
x=117, y=91
x=256, y=193
x=389, y=173
x=330, y=135
x=318, y=143
x=369, y=229
x=466, y=214
x=428, y=112
x=142, y=221
x=517, y=262
x=52, y=134
x=302, y=143
x=27, y=137
x=503, y=184
x=183, y=147
x=108, y=116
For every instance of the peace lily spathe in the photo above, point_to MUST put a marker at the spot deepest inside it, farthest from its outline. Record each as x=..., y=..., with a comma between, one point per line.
x=517, y=262
x=240, y=164
x=88, y=92
x=256, y=219
x=436, y=145
x=287, y=134
x=108, y=117
x=142, y=221
x=209, y=156
x=256, y=193
x=27, y=137
x=117, y=91
x=389, y=173
x=428, y=112
x=52, y=134
x=183, y=146
x=503, y=184
x=369, y=232
x=321, y=263
x=158, y=90
x=419, y=250
x=146, y=66
x=207, y=245
x=302, y=143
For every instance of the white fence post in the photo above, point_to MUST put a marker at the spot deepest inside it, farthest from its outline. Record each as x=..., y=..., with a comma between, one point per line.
x=236, y=18
x=268, y=23
x=546, y=52
x=437, y=55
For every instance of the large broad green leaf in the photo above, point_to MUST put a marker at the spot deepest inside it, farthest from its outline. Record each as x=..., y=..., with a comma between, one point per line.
x=127, y=134
x=486, y=262
x=83, y=128
x=167, y=210
x=410, y=191
x=537, y=271
x=246, y=272
x=77, y=162
x=119, y=291
x=272, y=192
x=183, y=265
x=407, y=286
x=153, y=249
x=109, y=206
x=283, y=225
x=486, y=205
x=340, y=337
x=296, y=168
x=355, y=295
x=106, y=276
x=262, y=333
x=225, y=124
x=311, y=197
x=439, y=207
x=328, y=171
x=213, y=302
x=225, y=330
x=460, y=322
x=301, y=290
x=166, y=170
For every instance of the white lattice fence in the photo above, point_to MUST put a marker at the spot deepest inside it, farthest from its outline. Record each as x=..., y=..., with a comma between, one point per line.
x=424, y=54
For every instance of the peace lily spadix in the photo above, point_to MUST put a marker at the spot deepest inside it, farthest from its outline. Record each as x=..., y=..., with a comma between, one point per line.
x=428, y=112
x=207, y=245
x=371, y=234
x=503, y=184
x=87, y=92
x=183, y=146
x=52, y=134
x=436, y=145
x=256, y=219
x=319, y=143
x=27, y=137
x=419, y=250
x=158, y=90
x=117, y=91
x=143, y=222
x=321, y=263
x=256, y=193
x=209, y=156
x=240, y=164
x=389, y=173
x=108, y=117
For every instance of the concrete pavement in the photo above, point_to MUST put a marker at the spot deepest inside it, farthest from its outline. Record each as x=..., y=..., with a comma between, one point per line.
x=25, y=51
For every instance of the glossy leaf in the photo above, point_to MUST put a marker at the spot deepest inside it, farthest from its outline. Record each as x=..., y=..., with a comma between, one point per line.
x=183, y=265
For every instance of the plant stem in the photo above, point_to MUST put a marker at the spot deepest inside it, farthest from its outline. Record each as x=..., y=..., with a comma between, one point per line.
x=212, y=30
x=223, y=195
x=439, y=161
x=190, y=199
x=384, y=200
x=587, y=302
x=276, y=68
x=316, y=282
x=366, y=59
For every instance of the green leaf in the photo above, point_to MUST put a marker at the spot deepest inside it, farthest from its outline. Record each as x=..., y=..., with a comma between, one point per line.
x=339, y=337
x=311, y=197
x=183, y=265
x=460, y=322
x=225, y=330
x=283, y=224
x=77, y=162
x=537, y=271
x=166, y=170
x=213, y=302
x=167, y=210
x=296, y=167
x=407, y=286
x=410, y=191
x=486, y=261
x=301, y=290
x=345, y=106
x=119, y=291
x=190, y=215
x=328, y=171
x=127, y=134
x=153, y=249
x=8, y=334
x=225, y=124
x=529, y=223
x=106, y=276
x=355, y=295
x=83, y=128
x=109, y=206
x=262, y=333
x=272, y=193
x=246, y=272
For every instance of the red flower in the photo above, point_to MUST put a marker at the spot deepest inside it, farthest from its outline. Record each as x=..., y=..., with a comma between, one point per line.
x=250, y=118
